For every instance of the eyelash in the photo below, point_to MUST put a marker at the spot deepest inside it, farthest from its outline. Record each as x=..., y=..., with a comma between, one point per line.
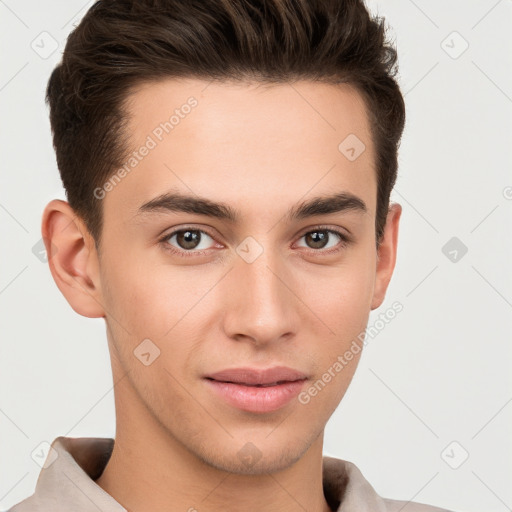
x=344, y=241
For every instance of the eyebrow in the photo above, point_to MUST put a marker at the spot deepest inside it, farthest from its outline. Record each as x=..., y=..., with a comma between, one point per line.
x=321, y=205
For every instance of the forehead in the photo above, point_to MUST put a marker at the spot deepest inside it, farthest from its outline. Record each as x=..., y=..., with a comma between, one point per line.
x=284, y=112
x=246, y=143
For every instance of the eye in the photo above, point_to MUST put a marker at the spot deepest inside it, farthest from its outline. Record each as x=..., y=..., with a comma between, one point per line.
x=325, y=240
x=191, y=241
x=187, y=240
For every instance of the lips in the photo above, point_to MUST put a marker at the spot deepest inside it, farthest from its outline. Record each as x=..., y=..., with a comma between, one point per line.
x=257, y=390
x=256, y=377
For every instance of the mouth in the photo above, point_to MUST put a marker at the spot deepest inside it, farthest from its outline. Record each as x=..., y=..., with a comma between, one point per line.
x=258, y=377
x=257, y=390
x=266, y=385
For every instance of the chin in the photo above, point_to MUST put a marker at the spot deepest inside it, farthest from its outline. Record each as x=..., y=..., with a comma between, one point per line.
x=250, y=458
x=259, y=464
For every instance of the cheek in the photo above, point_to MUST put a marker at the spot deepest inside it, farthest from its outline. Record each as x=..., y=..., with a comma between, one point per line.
x=149, y=303
x=344, y=306
x=151, y=299
x=345, y=310
x=343, y=297
x=133, y=286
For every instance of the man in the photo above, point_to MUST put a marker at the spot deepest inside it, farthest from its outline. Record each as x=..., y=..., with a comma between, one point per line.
x=228, y=166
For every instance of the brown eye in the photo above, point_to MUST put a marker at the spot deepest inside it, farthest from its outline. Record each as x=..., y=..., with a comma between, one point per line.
x=317, y=239
x=323, y=239
x=188, y=240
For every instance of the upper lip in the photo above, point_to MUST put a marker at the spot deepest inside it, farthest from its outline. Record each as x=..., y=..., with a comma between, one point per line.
x=254, y=376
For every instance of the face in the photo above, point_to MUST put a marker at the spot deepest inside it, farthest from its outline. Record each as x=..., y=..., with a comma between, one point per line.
x=203, y=295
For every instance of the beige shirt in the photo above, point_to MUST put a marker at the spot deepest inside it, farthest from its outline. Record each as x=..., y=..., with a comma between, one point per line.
x=67, y=483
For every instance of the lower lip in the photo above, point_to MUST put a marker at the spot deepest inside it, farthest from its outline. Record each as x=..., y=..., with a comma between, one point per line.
x=257, y=399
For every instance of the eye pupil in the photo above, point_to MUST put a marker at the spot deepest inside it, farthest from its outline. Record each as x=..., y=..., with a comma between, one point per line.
x=188, y=239
x=318, y=238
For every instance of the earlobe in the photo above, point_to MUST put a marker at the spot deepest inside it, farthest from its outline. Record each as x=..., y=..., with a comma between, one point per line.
x=386, y=255
x=72, y=258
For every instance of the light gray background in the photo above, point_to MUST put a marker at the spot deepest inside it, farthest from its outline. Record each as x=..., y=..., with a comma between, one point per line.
x=438, y=373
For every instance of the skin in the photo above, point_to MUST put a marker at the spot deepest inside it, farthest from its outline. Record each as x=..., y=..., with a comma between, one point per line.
x=262, y=150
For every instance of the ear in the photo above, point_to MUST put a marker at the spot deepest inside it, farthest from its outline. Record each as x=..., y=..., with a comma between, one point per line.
x=73, y=258
x=386, y=255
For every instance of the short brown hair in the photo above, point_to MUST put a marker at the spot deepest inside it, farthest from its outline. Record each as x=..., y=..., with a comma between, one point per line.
x=121, y=43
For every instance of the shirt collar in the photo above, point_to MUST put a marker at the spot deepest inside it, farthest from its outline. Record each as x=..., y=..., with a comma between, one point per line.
x=67, y=481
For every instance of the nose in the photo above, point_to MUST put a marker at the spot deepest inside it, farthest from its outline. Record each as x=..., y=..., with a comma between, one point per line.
x=262, y=304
